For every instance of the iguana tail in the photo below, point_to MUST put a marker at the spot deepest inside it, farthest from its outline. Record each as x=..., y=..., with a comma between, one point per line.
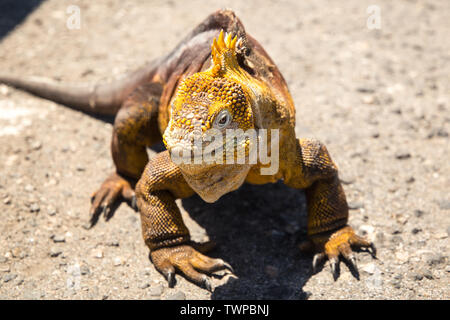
x=98, y=98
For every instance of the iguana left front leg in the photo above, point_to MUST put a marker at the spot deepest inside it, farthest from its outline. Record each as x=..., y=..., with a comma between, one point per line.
x=163, y=229
x=309, y=166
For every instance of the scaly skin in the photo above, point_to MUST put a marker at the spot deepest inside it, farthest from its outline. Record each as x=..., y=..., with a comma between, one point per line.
x=206, y=74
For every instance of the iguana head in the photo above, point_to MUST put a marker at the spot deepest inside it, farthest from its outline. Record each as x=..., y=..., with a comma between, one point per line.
x=206, y=104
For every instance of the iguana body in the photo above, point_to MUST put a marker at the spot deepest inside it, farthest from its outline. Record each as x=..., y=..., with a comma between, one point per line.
x=219, y=83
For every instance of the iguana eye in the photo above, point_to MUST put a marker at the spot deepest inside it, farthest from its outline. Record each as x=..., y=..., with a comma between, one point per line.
x=223, y=119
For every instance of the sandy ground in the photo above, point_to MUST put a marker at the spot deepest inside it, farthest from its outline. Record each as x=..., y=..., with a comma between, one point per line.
x=379, y=99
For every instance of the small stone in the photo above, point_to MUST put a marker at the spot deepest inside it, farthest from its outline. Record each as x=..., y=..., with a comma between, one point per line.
x=9, y=277
x=402, y=155
x=410, y=180
x=398, y=277
x=369, y=99
x=29, y=188
x=87, y=226
x=416, y=230
x=5, y=268
x=418, y=213
x=369, y=268
x=402, y=256
x=427, y=274
x=368, y=231
x=118, y=261
x=156, y=290
x=34, y=207
x=51, y=211
x=355, y=205
x=437, y=132
x=144, y=285
x=434, y=259
x=84, y=270
x=58, y=238
x=179, y=295
x=365, y=90
x=18, y=253
x=346, y=178
x=113, y=243
x=7, y=200
x=36, y=145
x=80, y=168
x=397, y=284
x=271, y=271
x=440, y=235
x=97, y=253
x=401, y=218
x=54, y=252
x=416, y=276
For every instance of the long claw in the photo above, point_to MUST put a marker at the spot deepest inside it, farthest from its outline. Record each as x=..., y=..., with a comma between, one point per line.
x=105, y=210
x=334, y=263
x=134, y=203
x=228, y=266
x=207, y=284
x=316, y=259
x=353, y=261
x=373, y=250
x=171, y=279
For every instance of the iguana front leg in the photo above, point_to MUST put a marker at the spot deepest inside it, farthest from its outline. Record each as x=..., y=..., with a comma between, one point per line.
x=162, y=225
x=310, y=167
x=135, y=128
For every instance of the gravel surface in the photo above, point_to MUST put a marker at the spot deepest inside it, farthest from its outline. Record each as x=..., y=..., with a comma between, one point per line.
x=379, y=99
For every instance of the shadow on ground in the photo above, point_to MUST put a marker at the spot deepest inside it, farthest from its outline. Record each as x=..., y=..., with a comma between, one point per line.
x=256, y=229
x=13, y=12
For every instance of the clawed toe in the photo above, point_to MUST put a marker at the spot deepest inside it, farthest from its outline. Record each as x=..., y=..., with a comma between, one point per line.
x=107, y=199
x=340, y=244
x=189, y=262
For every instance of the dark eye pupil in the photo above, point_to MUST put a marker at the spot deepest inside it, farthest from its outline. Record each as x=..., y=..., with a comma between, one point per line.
x=223, y=119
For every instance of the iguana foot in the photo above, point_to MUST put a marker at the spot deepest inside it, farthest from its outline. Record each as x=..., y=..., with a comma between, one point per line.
x=106, y=199
x=332, y=245
x=189, y=262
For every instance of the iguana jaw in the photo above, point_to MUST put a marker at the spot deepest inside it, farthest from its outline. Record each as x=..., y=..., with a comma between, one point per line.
x=213, y=182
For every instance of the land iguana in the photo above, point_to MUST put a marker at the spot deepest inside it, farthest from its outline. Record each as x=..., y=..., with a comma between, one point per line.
x=219, y=82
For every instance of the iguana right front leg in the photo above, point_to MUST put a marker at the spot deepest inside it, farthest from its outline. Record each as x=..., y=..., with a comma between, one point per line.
x=162, y=225
x=135, y=128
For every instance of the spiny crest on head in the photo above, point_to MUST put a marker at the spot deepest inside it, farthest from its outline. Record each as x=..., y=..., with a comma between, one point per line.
x=223, y=54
